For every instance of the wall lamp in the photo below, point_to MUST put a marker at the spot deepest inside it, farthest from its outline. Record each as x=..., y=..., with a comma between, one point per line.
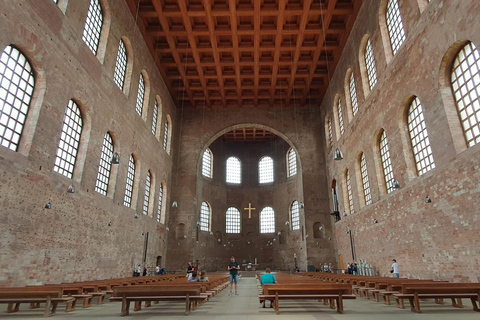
x=428, y=200
x=167, y=229
x=301, y=205
x=395, y=184
x=375, y=221
x=48, y=205
x=115, y=158
x=320, y=228
x=338, y=155
x=287, y=223
x=136, y=216
x=71, y=189
x=344, y=213
x=174, y=204
x=110, y=224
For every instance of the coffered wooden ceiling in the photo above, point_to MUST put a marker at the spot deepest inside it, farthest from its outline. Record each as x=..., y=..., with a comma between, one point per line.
x=246, y=53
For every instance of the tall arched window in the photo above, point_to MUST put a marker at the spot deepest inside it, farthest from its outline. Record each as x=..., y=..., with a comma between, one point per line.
x=16, y=88
x=353, y=94
x=365, y=182
x=265, y=170
x=127, y=199
x=329, y=133
x=140, y=95
x=120, y=66
x=93, y=26
x=69, y=141
x=154, y=117
x=386, y=162
x=205, y=214
x=207, y=163
x=232, y=220
x=340, y=116
x=465, y=78
x=160, y=203
x=292, y=162
x=233, y=171
x=370, y=65
x=419, y=138
x=295, y=215
x=146, y=198
x=395, y=25
x=167, y=134
x=267, y=220
x=103, y=176
x=349, y=191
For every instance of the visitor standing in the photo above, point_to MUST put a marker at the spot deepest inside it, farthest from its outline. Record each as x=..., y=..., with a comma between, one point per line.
x=233, y=267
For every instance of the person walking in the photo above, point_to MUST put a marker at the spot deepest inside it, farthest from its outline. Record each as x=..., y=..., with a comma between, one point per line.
x=394, y=270
x=233, y=267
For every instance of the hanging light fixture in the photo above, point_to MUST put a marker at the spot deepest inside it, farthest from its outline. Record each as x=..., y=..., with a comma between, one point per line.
x=338, y=155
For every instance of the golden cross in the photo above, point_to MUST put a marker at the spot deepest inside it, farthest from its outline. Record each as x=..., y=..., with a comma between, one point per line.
x=249, y=210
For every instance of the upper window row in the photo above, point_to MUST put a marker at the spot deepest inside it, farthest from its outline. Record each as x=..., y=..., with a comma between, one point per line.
x=234, y=167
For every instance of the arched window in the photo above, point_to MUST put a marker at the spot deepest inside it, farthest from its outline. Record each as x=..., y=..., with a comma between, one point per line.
x=93, y=26
x=146, y=198
x=167, y=134
x=386, y=162
x=234, y=170
x=340, y=117
x=103, y=176
x=16, y=88
x=265, y=170
x=395, y=25
x=205, y=214
x=69, y=141
x=154, y=117
x=120, y=66
x=160, y=203
x=465, y=79
x=365, y=182
x=329, y=133
x=349, y=191
x=232, y=220
x=419, y=138
x=127, y=199
x=267, y=220
x=140, y=95
x=207, y=163
x=292, y=162
x=295, y=215
x=370, y=65
x=353, y=94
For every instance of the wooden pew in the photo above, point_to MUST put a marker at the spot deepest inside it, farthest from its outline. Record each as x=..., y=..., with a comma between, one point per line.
x=150, y=293
x=34, y=295
x=318, y=291
x=438, y=291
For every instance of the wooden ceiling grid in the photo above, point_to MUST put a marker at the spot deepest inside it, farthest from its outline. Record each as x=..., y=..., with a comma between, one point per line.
x=248, y=135
x=246, y=53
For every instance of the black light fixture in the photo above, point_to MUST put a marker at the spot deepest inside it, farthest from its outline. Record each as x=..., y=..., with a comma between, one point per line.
x=115, y=158
x=71, y=189
x=338, y=155
x=48, y=205
x=428, y=200
x=110, y=224
x=174, y=204
x=301, y=205
x=395, y=184
x=136, y=216
x=375, y=221
x=344, y=213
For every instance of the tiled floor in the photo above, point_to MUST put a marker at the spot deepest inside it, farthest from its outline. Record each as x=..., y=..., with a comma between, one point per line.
x=246, y=307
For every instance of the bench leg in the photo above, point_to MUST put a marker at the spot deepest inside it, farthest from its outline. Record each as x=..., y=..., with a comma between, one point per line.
x=187, y=305
x=375, y=296
x=417, y=304
x=386, y=300
x=125, y=306
x=11, y=309
x=34, y=305
x=101, y=299
x=457, y=303
x=47, y=307
x=138, y=306
x=474, y=304
x=277, y=311
x=340, y=305
x=54, y=308
x=87, y=302
x=71, y=306
x=332, y=303
x=148, y=304
x=439, y=301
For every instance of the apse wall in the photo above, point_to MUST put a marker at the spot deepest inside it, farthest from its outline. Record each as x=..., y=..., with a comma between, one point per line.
x=439, y=239
x=84, y=235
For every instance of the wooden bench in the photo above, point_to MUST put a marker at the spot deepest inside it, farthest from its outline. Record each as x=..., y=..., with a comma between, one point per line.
x=51, y=297
x=327, y=292
x=439, y=291
x=155, y=293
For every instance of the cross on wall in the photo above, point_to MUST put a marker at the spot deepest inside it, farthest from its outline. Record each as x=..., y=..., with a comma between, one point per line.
x=249, y=210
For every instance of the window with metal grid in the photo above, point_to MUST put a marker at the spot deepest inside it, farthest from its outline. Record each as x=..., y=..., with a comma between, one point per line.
x=103, y=175
x=353, y=95
x=340, y=116
x=370, y=63
x=330, y=134
x=146, y=197
x=120, y=66
x=69, y=141
x=292, y=162
x=233, y=170
x=465, y=80
x=93, y=26
x=140, y=95
x=349, y=191
x=207, y=163
x=154, y=117
x=366, y=183
x=232, y=220
x=160, y=203
x=165, y=135
x=17, y=82
x=295, y=214
x=386, y=162
x=267, y=220
x=205, y=213
x=265, y=170
x=395, y=26
x=419, y=138
x=127, y=199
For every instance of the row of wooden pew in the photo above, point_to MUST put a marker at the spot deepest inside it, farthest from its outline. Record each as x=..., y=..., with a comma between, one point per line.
x=125, y=290
x=400, y=289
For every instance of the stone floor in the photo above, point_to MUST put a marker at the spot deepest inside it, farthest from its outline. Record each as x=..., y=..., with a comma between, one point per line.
x=246, y=306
